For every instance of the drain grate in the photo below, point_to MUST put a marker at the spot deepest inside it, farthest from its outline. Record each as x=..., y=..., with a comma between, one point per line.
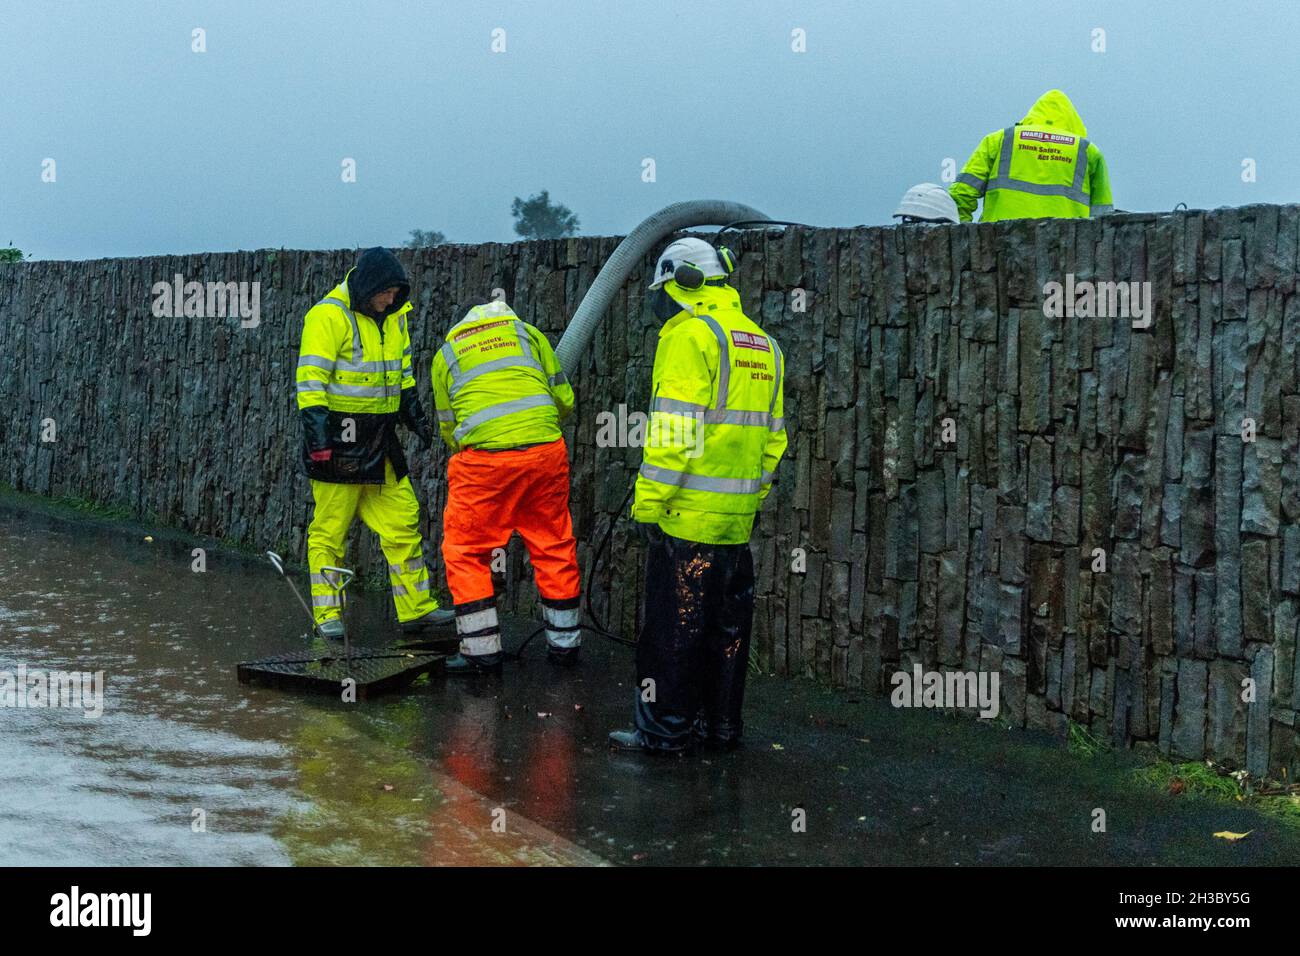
x=376, y=670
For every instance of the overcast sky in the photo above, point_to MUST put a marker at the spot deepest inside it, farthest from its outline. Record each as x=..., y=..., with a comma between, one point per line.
x=159, y=149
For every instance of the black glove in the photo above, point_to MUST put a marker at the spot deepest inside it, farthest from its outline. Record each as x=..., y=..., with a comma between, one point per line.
x=411, y=414
x=315, y=427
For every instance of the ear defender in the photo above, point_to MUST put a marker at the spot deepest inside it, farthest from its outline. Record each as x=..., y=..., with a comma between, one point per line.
x=691, y=277
x=688, y=276
x=727, y=258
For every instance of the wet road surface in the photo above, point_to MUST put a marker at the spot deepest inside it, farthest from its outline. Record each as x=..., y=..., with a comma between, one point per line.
x=508, y=771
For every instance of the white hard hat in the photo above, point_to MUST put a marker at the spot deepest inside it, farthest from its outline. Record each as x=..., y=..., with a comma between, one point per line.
x=927, y=201
x=689, y=251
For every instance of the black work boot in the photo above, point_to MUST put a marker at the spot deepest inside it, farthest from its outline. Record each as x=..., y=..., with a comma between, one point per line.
x=423, y=633
x=633, y=741
x=472, y=666
x=438, y=617
x=628, y=741
x=562, y=656
x=333, y=628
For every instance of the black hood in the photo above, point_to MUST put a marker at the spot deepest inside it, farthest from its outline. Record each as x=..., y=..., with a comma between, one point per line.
x=377, y=270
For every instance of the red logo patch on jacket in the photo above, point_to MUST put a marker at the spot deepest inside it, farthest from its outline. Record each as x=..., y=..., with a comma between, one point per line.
x=1060, y=139
x=475, y=330
x=748, y=340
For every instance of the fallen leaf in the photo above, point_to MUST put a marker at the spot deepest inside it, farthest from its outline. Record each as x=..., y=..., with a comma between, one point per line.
x=1233, y=837
x=1176, y=786
x=388, y=786
x=543, y=713
x=777, y=747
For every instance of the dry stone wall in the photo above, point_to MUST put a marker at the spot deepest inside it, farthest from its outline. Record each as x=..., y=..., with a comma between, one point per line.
x=971, y=484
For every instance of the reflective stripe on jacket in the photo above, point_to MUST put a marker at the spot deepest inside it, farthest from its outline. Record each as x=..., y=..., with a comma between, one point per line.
x=717, y=427
x=1043, y=167
x=356, y=367
x=497, y=383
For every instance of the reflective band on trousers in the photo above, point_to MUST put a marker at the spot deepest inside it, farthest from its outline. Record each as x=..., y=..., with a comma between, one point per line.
x=414, y=566
x=325, y=600
x=1005, y=181
x=560, y=617
x=476, y=621
x=499, y=409
x=681, y=479
x=480, y=646
x=400, y=589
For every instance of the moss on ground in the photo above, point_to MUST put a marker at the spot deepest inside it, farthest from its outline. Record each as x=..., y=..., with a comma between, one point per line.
x=1206, y=779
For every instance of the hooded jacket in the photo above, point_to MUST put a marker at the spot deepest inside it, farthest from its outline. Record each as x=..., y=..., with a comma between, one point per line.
x=354, y=379
x=1043, y=167
x=717, y=420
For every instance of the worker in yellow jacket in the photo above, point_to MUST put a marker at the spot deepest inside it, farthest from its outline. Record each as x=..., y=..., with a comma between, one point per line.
x=1043, y=167
x=355, y=386
x=500, y=396
x=715, y=436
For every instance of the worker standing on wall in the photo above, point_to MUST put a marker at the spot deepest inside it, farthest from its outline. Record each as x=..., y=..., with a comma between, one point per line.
x=1043, y=167
x=354, y=386
x=715, y=436
x=500, y=396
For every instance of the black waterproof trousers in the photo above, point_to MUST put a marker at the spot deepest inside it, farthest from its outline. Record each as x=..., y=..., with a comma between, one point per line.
x=694, y=644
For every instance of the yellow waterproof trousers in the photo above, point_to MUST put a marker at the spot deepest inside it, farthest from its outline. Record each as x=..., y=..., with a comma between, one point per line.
x=391, y=511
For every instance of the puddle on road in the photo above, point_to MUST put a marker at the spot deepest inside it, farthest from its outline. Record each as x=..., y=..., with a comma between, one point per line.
x=275, y=778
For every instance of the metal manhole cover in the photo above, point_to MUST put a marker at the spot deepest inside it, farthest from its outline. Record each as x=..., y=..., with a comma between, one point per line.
x=375, y=670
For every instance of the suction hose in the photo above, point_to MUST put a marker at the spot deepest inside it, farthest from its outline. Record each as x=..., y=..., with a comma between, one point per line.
x=612, y=275
x=628, y=255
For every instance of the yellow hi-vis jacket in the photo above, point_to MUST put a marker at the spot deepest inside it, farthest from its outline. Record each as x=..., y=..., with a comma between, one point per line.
x=355, y=367
x=717, y=428
x=1044, y=167
x=497, y=383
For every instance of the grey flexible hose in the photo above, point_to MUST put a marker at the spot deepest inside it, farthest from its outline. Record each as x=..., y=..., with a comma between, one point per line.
x=696, y=212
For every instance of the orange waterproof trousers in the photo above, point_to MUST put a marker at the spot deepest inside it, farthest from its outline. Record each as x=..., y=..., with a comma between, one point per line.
x=491, y=494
